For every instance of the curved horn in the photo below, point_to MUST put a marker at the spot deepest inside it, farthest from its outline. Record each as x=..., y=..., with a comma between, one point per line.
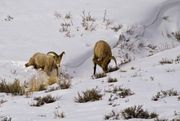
x=62, y=54
x=52, y=53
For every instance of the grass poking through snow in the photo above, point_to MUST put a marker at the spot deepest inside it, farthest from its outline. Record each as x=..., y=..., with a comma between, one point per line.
x=14, y=88
x=88, y=95
x=137, y=112
x=163, y=94
x=42, y=100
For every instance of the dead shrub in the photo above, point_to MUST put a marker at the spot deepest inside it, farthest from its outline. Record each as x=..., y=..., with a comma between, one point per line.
x=163, y=94
x=88, y=22
x=99, y=75
x=4, y=87
x=9, y=18
x=28, y=94
x=65, y=27
x=42, y=100
x=177, y=35
x=174, y=119
x=165, y=18
x=157, y=119
x=5, y=118
x=116, y=28
x=165, y=61
x=87, y=17
x=111, y=69
x=68, y=16
x=121, y=92
x=137, y=112
x=2, y=101
x=14, y=88
x=112, y=116
x=38, y=82
x=64, y=82
x=88, y=95
x=111, y=80
x=58, y=114
x=106, y=20
x=179, y=98
x=177, y=60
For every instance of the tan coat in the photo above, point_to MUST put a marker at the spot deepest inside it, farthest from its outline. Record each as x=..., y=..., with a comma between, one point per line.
x=102, y=55
x=43, y=61
x=57, y=57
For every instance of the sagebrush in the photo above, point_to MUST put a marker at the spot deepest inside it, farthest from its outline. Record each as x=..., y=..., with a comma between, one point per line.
x=14, y=88
x=38, y=82
x=137, y=112
x=120, y=92
x=88, y=95
x=59, y=114
x=166, y=61
x=112, y=116
x=42, y=100
x=177, y=35
x=163, y=94
x=99, y=75
x=111, y=80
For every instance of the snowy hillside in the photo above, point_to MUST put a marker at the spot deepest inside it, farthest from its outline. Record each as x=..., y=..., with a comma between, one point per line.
x=144, y=36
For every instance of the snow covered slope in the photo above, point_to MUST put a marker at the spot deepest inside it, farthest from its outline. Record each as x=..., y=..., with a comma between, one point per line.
x=146, y=36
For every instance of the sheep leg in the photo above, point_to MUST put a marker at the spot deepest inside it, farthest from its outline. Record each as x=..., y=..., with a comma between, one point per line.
x=46, y=69
x=95, y=68
x=106, y=63
x=57, y=70
x=95, y=63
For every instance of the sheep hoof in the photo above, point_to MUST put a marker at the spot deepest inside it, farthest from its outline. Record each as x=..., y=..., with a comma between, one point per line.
x=99, y=75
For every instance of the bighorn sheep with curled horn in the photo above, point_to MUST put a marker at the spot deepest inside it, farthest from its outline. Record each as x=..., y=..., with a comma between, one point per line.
x=57, y=57
x=46, y=62
x=102, y=55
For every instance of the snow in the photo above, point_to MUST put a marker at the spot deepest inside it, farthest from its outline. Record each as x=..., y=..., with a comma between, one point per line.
x=33, y=26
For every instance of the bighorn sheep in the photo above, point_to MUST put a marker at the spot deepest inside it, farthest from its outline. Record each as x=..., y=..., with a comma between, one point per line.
x=46, y=62
x=102, y=55
x=57, y=57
